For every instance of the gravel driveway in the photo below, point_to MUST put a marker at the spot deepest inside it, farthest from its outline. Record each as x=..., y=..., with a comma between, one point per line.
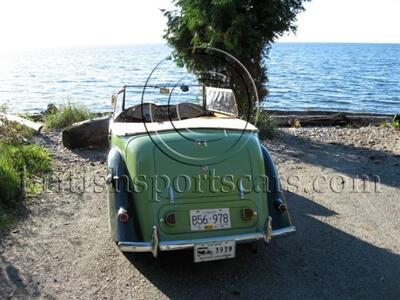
x=347, y=244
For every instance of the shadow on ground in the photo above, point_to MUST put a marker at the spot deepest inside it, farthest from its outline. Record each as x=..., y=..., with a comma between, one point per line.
x=318, y=261
x=11, y=282
x=92, y=154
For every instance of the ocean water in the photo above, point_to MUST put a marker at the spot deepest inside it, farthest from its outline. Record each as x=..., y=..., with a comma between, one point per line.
x=338, y=77
x=335, y=77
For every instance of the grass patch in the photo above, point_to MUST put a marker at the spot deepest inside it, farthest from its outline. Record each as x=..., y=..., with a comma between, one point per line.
x=10, y=187
x=394, y=124
x=66, y=115
x=266, y=126
x=21, y=163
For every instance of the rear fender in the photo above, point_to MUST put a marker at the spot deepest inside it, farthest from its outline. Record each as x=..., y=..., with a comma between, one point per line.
x=274, y=193
x=120, y=196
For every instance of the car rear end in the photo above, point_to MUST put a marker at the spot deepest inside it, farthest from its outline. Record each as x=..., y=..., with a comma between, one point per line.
x=206, y=194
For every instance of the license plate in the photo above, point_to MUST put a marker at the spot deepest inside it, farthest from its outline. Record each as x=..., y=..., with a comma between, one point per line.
x=214, y=251
x=210, y=219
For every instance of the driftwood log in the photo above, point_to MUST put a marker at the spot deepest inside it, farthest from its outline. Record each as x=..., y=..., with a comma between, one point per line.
x=304, y=119
x=36, y=126
x=90, y=133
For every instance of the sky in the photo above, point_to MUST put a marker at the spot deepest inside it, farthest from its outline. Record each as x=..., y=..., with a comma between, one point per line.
x=31, y=24
x=349, y=21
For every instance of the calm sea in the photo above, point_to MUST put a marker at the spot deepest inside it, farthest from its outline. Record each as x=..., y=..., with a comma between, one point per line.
x=336, y=77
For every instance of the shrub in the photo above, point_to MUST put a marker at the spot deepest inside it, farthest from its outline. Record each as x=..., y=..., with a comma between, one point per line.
x=18, y=161
x=394, y=124
x=33, y=158
x=18, y=157
x=9, y=187
x=65, y=116
x=266, y=126
x=13, y=133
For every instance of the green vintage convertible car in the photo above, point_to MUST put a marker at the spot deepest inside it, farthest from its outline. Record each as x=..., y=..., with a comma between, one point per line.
x=185, y=172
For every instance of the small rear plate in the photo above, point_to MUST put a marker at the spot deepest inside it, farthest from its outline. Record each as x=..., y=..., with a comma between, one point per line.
x=214, y=251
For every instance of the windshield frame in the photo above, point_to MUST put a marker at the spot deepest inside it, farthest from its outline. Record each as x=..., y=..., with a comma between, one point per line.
x=118, y=108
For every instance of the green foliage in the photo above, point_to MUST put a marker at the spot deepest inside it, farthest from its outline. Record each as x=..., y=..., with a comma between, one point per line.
x=18, y=160
x=9, y=187
x=18, y=163
x=244, y=28
x=32, y=159
x=265, y=125
x=394, y=124
x=65, y=116
x=13, y=133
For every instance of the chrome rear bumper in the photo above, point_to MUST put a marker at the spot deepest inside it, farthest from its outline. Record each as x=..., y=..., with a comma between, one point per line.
x=155, y=245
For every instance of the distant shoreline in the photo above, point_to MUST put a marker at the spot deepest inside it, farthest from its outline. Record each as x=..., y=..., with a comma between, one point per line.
x=158, y=44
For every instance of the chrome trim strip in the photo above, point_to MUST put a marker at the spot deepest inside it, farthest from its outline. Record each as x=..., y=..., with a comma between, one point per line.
x=283, y=231
x=188, y=244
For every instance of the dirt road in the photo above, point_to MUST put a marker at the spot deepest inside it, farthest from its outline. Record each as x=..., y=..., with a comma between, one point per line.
x=347, y=244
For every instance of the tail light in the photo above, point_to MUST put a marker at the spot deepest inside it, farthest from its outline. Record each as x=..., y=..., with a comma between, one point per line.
x=170, y=218
x=123, y=216
x=247, y=214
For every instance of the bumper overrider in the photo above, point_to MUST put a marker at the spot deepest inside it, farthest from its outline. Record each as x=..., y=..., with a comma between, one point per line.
x=155, y=245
